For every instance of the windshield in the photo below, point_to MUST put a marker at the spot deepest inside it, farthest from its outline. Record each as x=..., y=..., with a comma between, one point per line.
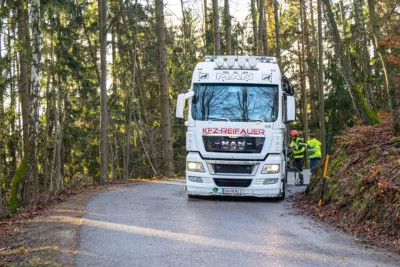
x=235, y=102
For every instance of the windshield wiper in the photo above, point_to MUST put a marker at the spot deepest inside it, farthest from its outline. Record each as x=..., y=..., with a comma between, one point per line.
x=220, y=119
x=256, y=120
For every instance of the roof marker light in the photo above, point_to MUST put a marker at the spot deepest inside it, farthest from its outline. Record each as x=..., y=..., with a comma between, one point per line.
x=230, y=62
x=219, y=62
x=252, y=62
x=241, y=62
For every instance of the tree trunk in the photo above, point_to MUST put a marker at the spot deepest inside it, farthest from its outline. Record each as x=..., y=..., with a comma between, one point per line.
x=303, y=75
x=391, y=90
x=227, y=16
x=14, y=138
x=145, y=116
x=123, y=85
x=265, y=32
x=31, y=179
x=364, y=53
x=58, y=179
x=46, y=134
x=2, y=132
x=103, y=93
x=217, y=34
x=364, y=112
x=132, y=96
x=23, y=80
x=277, y=34
x=184, y=56
x=255, y=31
x=344, y=29
x=314, y=64
x=321, y=82
x=310, y=67
x=163, y=75
x=113, y=137
x=261, y=26
x=56, y=140
x=205, y=26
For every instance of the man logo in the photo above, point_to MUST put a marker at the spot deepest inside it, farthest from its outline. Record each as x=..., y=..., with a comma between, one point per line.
x=234, y=76
x=203, y=76
x=266, y=77
x=233, y=145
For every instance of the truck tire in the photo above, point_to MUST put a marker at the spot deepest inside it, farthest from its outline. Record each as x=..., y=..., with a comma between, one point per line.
x=286, y=174
x=282, y=197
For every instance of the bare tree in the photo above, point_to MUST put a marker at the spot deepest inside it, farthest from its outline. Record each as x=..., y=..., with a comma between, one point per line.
x=165, y=105
x=217, y=34
x=227, y=22
x=103, y=93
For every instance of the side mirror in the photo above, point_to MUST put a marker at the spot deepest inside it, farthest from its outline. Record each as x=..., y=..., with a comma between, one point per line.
x=289, y=109
x=180, y=103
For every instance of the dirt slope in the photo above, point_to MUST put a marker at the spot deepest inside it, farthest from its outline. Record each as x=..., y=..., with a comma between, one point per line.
x=48, y=235
x=362, y=193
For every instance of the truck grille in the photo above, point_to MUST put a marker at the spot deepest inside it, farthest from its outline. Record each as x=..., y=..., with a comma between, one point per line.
x=229, y=168
x=228, y=144
x=232, y=182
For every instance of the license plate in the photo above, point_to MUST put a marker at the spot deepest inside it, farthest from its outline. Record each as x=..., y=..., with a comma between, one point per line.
x=232, y=191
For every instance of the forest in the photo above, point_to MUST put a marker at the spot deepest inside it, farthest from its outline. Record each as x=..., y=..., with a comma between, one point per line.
x=88, y=88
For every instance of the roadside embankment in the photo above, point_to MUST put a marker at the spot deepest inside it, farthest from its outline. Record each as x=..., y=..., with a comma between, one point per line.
x=362, y=192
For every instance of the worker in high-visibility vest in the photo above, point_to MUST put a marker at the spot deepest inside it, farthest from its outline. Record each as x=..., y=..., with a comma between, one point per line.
x=298, y=146
x=314, y=150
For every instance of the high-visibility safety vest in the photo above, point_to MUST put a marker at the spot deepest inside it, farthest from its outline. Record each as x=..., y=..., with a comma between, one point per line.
x=314, y=149
x=298, y=148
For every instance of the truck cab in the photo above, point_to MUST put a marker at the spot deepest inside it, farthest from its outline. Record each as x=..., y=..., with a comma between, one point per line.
x=236, y=123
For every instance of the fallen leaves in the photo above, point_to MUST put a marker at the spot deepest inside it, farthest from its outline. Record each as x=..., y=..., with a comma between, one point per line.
x=363, y=196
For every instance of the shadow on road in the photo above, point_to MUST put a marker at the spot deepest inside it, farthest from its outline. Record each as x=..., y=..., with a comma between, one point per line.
x=233, y=199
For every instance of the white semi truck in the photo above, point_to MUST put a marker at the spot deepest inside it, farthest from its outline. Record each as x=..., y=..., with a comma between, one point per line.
x=238, y=108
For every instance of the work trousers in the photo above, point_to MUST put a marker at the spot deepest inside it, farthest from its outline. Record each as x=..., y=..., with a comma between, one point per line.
x=299, y=166
x=313, y=162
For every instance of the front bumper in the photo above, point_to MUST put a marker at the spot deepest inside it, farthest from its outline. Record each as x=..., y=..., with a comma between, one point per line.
x=247, y=192
x=208, y=186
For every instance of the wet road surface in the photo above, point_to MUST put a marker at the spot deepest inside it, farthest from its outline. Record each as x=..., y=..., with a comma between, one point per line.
x=154, y=224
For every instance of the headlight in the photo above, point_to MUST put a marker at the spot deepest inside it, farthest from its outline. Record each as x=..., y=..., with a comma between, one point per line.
x=195, y=166
x=195, y=179
x=270, y=181
x=271, y=168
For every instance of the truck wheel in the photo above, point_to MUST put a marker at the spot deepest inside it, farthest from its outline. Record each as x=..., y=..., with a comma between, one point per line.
x=286, y=174
x=282, y=197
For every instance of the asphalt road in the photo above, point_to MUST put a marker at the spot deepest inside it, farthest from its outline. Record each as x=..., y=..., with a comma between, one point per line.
x=154, y=224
